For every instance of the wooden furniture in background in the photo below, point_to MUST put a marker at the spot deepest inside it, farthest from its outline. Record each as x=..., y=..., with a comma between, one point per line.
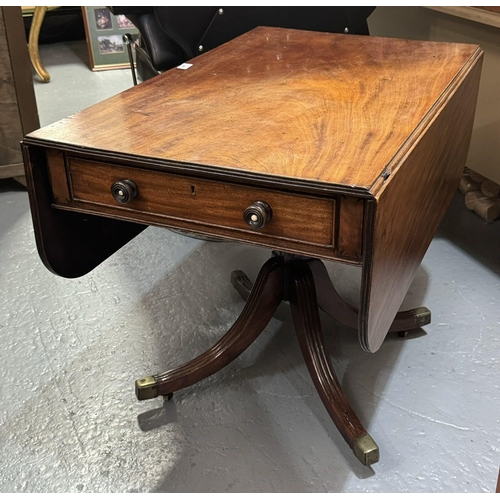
x=38, y=14
x=19, y=112
x=484, y=15
x=491, y=9
x=481, y=195
x=342, y=156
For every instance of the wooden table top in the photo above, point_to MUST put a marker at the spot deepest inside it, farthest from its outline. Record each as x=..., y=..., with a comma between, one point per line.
x=304, y=107
x=291, y=118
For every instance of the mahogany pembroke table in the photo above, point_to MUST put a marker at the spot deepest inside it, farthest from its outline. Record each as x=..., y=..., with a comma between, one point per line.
x=318, y=146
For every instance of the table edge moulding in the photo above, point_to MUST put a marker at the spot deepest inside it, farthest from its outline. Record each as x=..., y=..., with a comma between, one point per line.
x=315, y=145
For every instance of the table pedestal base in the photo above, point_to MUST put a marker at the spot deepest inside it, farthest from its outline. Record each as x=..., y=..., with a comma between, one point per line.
x=305, y=284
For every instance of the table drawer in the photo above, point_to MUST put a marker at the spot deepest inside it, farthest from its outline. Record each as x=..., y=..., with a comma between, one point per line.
x=211, y=204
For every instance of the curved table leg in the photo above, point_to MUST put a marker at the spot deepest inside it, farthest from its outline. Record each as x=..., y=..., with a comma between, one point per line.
x=308, y=327
x=335, y=306
x=263, y=301
x=241, y=283
x=36, y=25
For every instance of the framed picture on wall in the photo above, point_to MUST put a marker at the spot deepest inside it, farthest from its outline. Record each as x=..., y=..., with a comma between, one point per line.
x=104, y=32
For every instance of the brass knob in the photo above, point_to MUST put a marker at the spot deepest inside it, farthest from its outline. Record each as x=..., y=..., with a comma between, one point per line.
x=124, y=191
x=257, y=214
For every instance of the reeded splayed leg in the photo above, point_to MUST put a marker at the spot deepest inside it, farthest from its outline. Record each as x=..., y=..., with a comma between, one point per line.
x=241, y=283
x=305, y=312
x=335, y=306
x=265, y=297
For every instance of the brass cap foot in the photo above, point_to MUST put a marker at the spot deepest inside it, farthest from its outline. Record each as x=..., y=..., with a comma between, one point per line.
x=146, y=388
x=366, y=450
x=423, y=316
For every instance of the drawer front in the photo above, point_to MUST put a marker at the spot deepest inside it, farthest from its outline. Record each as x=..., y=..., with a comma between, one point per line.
x=215, y=205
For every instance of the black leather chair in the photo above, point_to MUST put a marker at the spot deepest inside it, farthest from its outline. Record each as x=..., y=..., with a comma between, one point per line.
x=173, y=35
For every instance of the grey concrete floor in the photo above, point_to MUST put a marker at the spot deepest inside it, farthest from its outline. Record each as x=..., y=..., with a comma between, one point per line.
x=71, y=350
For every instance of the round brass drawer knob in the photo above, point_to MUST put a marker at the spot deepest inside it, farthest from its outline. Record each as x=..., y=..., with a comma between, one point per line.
x=257, y=214
x=124, y=191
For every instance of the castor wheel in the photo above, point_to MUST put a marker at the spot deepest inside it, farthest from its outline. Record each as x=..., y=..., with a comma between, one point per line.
x=168, y=396
x=403, y=334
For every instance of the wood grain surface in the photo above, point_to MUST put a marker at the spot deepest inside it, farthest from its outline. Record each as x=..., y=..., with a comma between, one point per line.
x=366, y=137
x=350, y=212
x=490, y=8
x=328, y=227
x=56, y=166
x=307, y=324
x=212, y=203
x=18, y=111
x=410, y=206
x=11, y=131
x=21, y=69
x=69, y=244
x=298, y=106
